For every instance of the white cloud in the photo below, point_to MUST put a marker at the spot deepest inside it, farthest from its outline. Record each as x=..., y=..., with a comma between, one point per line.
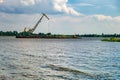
x=61, y=6
x=102, y=17
x=1, y=1
x=117, y=18
x=28, y=2
x=86, y=4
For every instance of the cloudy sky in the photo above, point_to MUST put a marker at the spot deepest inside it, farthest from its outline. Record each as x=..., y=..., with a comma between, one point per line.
x=66, y=16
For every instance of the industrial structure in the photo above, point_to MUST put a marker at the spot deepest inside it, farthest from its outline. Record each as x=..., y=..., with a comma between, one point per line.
x=28, y=33
x=31, y=30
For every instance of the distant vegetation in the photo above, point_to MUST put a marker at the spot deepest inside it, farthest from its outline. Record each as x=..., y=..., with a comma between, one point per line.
x=15, y=33
x=27, y=34
x=8, y=33
x=100, y=35
x=112, y=39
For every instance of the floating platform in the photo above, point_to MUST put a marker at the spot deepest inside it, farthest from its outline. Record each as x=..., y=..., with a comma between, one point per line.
x=50, y=37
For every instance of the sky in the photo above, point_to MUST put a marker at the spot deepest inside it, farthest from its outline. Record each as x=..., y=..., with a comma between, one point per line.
x=66, y=16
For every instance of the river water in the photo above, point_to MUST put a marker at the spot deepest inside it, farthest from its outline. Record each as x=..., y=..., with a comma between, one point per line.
x=59, y=59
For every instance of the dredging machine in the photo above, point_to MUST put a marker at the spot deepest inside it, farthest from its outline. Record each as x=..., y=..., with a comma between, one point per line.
x=28, y=33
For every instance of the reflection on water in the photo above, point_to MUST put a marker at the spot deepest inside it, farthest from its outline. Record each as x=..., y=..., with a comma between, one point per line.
x=53, y=59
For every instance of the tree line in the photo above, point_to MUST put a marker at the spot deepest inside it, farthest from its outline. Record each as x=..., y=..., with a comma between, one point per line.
x=100, y=35
x=15, y=33
x=8, y=33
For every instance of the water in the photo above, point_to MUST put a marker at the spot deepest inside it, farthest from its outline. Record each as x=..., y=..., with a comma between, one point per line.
x=63, y=59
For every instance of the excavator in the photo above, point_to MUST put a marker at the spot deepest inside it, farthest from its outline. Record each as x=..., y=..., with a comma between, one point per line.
x=31, y=30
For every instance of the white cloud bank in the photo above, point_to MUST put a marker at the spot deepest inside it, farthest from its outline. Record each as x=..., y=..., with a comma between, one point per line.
x=62, y=24
x=102, y=17
x=37, y=6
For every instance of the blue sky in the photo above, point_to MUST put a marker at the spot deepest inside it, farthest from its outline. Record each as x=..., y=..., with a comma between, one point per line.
x=66, y=16
x=89, y=7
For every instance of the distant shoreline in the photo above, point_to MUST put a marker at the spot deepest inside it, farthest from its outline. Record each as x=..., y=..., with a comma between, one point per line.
x=15, y=33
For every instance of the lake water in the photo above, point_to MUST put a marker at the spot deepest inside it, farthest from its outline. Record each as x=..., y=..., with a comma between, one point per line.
x=59, y=59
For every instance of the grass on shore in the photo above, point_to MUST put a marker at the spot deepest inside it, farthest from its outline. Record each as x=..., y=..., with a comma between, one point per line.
x=113, y=39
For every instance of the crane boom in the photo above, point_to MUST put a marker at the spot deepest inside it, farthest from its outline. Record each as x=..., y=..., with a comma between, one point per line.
x=33, y=29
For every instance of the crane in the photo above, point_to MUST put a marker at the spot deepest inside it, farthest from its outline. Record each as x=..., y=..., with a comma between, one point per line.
x=31, y=30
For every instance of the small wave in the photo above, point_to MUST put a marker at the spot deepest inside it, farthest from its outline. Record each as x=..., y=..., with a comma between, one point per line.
x=73, y=71
x=29, y=55
x=4, y=77
x=29, y=75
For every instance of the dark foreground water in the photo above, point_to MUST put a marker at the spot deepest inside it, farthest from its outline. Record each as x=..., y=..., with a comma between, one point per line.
x=53, y=59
